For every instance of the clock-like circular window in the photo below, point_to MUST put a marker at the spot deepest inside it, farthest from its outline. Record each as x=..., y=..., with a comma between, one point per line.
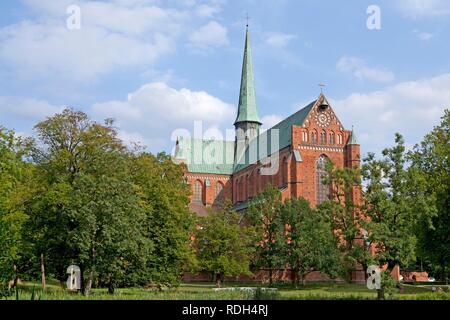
x=323, y=119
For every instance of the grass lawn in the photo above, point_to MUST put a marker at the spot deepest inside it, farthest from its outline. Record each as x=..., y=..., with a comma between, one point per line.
x=204, y=291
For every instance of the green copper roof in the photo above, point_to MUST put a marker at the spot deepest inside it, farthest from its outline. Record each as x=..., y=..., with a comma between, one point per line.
x=284, y=137
x=247, y=111
x=206, y=156
x=352, y=139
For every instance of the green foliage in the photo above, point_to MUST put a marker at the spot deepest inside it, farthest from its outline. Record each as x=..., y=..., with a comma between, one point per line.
x=264, y=214
x=346, y=220
x=121, y=215
x=430, y=164
x=261, y=294
x=395, y=200
x=13, y=175
x=223, y=245
x=307, y=242
x=164, y=197
x=79, y=195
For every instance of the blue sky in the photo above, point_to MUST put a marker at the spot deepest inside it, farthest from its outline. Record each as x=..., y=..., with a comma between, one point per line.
x=157, y=66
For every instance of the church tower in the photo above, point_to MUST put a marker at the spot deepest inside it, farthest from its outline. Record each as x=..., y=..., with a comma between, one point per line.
x=247, y=122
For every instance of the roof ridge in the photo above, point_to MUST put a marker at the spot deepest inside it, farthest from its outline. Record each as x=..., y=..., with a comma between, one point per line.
x=284, y=134
x=295, y=113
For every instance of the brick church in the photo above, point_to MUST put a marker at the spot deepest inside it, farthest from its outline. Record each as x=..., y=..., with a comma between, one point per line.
x=291, y=155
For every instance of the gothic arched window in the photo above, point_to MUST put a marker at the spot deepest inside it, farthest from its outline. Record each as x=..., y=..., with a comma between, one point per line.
x=241, y=189
x=323, y=137
x=314, y=137
x=246, y=187
x=284, y=169
x=322, y=189
x=197, y=196
x=331, y=138
x=219, y=193
x=305, y=136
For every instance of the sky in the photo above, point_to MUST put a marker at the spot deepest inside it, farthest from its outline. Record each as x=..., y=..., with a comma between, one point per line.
x=158, y=67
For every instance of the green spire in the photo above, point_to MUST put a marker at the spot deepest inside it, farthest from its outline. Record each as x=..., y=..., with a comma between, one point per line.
x=247, y=98
x=352, y=140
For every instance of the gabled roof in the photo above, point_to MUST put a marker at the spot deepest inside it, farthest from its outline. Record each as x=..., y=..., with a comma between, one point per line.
x=285, y=138
x=247, y=111
x=206, y=156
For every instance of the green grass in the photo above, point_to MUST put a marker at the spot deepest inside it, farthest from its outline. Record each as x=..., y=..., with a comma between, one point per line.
x=204, y=291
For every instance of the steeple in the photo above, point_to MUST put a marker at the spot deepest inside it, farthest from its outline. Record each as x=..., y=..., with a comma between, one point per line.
x=352, y=140
x=247, y=122
x=247, y=111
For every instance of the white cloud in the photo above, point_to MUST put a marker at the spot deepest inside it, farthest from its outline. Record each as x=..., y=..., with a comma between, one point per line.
x=411, y=108
x=360, y=70
x=147, y=116
x=26, y=108
x=423, y=8
x=208, y=10
x=154, y=111
x=279, y=40
x=270, y=120
x=129, y=17
x=114, y=36
x=45, y=50
x=21, y=114
x=425, y=36
x=212, y=34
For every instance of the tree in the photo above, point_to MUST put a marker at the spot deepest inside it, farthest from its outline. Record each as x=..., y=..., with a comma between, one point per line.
x=430, y=161
x=307, y=240
x=395, y=200
x=87, y=210
x=169, y=224
x=108, y=235
x=264, y=214
x=13, y=176
x=223, y=245
x=346, y=218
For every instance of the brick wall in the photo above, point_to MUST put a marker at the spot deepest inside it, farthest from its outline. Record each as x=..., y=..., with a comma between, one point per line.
x=209, y=192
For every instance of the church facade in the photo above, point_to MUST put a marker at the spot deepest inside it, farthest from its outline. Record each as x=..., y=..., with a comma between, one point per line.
x=291, y=155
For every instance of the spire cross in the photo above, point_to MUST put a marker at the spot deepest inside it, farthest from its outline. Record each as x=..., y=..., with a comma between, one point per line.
x=247, y=18
x=321, y=85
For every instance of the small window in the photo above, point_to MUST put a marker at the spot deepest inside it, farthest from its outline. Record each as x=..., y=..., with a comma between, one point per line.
x=219, y=193
x=323, y=137
x=197, y=196
x=284, y=172
x=331, y=138
x=314, y=137
x=305, y=136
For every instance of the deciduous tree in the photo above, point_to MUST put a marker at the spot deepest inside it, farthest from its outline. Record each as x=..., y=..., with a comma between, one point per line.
x=307, y=242
x=223, y=245
x=264, y=214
